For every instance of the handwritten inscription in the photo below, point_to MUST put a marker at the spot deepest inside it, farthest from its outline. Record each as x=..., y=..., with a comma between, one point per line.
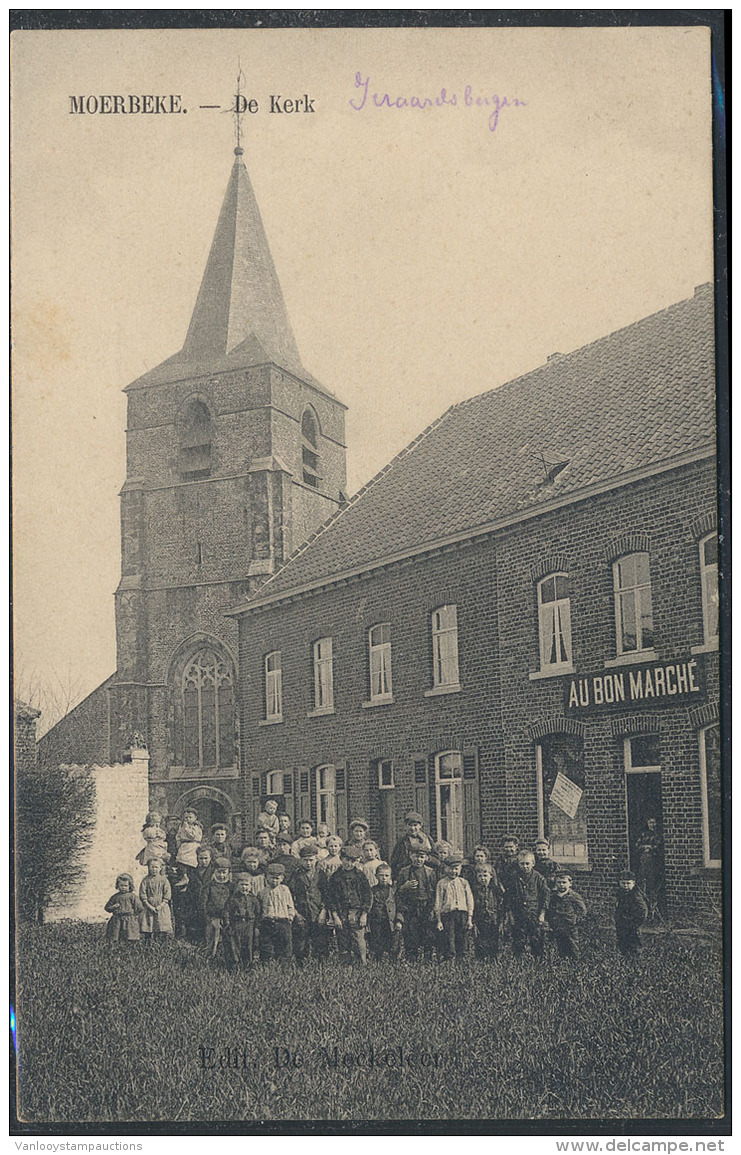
x=467, y=99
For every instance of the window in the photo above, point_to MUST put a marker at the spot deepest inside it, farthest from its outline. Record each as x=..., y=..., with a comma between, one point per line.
x=449, y=797
x=274, y=782
x=561, y=806
x=326, y=800
x=445, y=646
x=273, y=686
x=633, y=613
x=208, y=712
x=709, y=579
x=195, y=442
x=554, y=621
x=310, y=450
x=323, y=675
x=710, y=786
x=385, y=769
x=379, y=647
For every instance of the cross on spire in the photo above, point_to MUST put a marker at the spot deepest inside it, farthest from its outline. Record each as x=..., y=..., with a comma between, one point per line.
x=238, y=110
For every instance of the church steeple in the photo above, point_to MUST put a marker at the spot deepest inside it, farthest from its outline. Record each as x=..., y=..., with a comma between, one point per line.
x=240, y=317
x=240, y=312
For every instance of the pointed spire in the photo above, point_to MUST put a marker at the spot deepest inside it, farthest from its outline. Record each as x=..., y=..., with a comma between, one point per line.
x=240, y=300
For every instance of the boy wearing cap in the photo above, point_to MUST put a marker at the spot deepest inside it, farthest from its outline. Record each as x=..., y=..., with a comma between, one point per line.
x=349, y=901
x=565, y=909
x=630, y=914
x=454, y=908
x=277, y=913
x=415, y=899
x=305, y=885
x=414, y=835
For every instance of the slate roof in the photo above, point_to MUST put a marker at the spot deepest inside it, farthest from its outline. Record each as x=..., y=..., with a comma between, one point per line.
x=640, y=398
x=240, y=317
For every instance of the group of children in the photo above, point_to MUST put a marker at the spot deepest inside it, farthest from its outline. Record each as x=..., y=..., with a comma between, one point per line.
x=293, y=897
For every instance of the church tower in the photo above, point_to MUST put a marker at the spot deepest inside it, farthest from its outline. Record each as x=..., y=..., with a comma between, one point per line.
x=234, y=455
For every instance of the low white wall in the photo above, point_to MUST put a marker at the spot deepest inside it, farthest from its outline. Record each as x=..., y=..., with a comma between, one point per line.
x=122, y=801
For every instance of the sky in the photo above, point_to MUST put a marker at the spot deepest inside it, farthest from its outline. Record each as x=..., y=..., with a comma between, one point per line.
x=426, y=254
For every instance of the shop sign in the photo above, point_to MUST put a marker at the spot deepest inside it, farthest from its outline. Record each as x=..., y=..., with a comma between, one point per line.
x=653, y=684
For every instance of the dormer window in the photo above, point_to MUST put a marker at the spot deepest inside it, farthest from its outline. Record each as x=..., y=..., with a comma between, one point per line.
x=310, y=449
x=195, y=442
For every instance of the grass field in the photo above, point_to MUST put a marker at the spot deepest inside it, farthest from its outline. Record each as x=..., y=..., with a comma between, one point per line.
x=115, y=1034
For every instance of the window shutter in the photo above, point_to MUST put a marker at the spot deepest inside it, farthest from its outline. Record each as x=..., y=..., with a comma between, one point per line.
x=421, y=788
x=255, y=803
x=288, y=795
x=302, y=809
x=340, y=780
x=471, y=803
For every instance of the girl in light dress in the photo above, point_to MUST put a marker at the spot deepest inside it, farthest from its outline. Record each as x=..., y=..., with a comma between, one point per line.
x=189, y=837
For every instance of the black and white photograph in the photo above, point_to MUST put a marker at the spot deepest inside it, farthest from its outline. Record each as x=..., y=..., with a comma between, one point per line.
x=369, y=402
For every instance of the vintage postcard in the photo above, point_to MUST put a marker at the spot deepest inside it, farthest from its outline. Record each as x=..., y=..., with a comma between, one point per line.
x=368, y=599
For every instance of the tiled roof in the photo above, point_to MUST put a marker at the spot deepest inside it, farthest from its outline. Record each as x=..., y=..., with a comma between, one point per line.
x=637, y=399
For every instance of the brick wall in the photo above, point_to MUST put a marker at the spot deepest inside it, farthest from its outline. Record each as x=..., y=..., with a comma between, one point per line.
x=499, y=707
x=81, y=736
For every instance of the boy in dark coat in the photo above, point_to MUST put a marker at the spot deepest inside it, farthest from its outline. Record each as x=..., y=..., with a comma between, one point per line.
x=216, y=899
x=505, y=864
x=305, y=884
x=630, y=914
x=565, y=908
x=242, y=909
x=544, y=864
x=401, y=855
x=487, y=904
x=349, y=901
x=526, y=899
x=415, y=899
x=384, y=934
x=198, y=883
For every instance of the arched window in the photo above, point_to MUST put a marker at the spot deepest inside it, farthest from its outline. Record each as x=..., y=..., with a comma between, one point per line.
x=634, y=623
x=709, y=579
x=195, y=442
x=310, y=449
x=208, y=711
x=554, y=621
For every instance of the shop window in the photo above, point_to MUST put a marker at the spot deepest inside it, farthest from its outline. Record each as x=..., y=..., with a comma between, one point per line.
x=208, y=711
x=379, y=654
x=310, y=449
x=561, y=801
x=709, y=580
x=323, y=675
x=273, y=686
x=710, y=786
x=554, y=621
x=195, y=442
x=385, y=770
x=445, y=646
x=634, y=625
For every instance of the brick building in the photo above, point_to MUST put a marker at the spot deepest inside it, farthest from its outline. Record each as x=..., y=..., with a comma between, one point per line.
x=514, y=626
x=235, y=453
